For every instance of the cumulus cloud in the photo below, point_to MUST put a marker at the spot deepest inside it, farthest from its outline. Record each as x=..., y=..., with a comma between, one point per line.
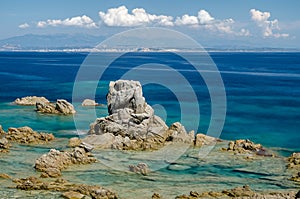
x=205, y=17
x=79, y=21
x=186, y=20
x=138, y=17
x=206, y=21
x=24, y=25
x=268, y=26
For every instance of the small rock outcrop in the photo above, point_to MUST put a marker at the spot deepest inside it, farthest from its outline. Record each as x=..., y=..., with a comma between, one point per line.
x=140, y=168
x=68, y=190
x=294, y=161
x=4, y=145
x=26, y=135
x=52, y=163
x=89, y=102
x=2, y=132
x=296, y=177
x=60, y=107
x=247, y=146
x=131, y=123
x=156, y=196
x=202, y=139
x=30, y=100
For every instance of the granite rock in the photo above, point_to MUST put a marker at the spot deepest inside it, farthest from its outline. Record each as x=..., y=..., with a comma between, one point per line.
x=89, y=102
x=52, y=163
x=131, y=123
x=61, y=106
x=26, y=135
x=30, y=100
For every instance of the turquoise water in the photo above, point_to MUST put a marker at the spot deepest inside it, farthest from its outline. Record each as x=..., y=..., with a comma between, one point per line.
x=262, y=90
x=263, y=98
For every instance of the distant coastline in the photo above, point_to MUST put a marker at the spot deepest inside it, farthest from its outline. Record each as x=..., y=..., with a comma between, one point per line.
x=120, y=50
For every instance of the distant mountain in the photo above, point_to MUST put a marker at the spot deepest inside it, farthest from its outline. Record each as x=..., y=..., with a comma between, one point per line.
x=55, y=41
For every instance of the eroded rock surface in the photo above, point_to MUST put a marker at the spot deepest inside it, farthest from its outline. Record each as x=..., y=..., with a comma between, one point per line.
x=131, y=123
x=60, y=107
x=26, y=135
x=68, y=189
x=4, y=145
x=52, y=163
x=30, y=100
x=244, y=192
x=247, y=146
x=294, y=161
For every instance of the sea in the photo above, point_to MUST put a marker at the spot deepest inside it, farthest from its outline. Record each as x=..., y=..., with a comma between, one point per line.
x=260, y=100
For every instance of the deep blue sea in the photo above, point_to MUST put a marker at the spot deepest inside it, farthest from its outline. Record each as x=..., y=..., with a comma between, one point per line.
x=262, y=91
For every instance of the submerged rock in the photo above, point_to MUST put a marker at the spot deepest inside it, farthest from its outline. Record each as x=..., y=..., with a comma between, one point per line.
x=244, y=192
x=89, y=102
x=247, y=146
x=52, y=163
x=140, y=168
x=131, y=123
x=60, y=107
x=30, y=100
x=4, y=176
x=69, y=190
x=72, y=195
x=26, y=135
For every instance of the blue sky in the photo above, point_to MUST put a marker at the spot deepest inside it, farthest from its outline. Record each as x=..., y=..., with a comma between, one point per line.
x=258, y=23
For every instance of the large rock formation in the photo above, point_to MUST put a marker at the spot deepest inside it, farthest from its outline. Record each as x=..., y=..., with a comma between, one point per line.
x=26, y=135
x=68, y=190
x=60, y=107
x=30, y=100
x=52, y=163
x=131, y=123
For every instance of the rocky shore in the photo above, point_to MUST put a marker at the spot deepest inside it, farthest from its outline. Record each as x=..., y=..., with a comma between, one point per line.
x=132, y=128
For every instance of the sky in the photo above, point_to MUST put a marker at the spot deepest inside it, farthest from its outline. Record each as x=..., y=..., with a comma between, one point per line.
x=256, y=23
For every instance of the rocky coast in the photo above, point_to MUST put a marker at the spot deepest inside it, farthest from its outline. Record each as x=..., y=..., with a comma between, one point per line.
x=132, y=136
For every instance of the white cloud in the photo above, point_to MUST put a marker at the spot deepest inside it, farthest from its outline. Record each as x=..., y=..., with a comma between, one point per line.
x=139, y=17
x=79, y=21
x=24, y=25
x=204, y=17
x=268, y=27
x=204, y=20
x=187, y=20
